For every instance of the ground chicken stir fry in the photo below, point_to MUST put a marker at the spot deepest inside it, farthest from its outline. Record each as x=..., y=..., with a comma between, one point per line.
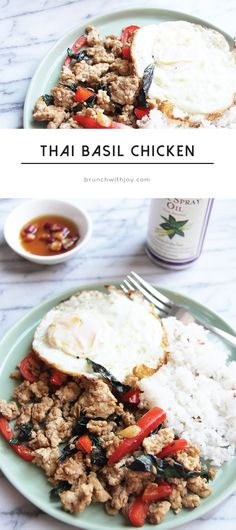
x=97, y=445
x=97, y=88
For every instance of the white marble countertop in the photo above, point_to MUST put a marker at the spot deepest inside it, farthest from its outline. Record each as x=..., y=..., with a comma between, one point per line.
x=29, y=29
x=116, y=247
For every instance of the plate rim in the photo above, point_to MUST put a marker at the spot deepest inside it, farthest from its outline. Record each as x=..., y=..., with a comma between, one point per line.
x=66, y=517
x=95, y=20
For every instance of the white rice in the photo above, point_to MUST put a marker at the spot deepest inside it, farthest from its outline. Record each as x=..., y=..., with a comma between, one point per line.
x=197, y=389
x=158, y=120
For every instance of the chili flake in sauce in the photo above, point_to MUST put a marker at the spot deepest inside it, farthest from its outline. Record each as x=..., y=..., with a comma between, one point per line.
x=49, y=235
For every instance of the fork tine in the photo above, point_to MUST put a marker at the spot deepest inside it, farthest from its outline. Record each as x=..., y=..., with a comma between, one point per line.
x=130, y=287
x=124, y=288
x=149, y=296
x=161, y=297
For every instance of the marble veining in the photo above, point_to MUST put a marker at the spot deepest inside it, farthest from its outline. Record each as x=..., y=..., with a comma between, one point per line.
x=116, y=247
x=29, y=29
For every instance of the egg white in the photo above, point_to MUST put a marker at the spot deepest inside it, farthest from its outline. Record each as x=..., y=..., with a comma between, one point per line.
x=195, y=69
x=111, y=329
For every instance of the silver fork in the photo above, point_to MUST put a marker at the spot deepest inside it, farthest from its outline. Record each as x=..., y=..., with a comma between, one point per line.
x=168, y=308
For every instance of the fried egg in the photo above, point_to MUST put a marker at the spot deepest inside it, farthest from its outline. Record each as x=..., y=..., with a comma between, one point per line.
x=195, y=70
x=121, y=333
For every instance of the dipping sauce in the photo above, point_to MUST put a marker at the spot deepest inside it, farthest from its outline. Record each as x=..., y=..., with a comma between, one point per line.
x=49, y=235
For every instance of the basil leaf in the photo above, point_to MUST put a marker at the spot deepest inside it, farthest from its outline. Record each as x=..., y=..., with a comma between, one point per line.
x=62, y=486
x=74, y=110
x=144, y=463
x=103, y=86
x=66, y=452
x=115, y=417
x=80, y=427
x=90, y=102
x=82, y=55
x=24, y=434
x=97, y=455
x=72, y=86
x=48, y=99
x=13, y=441
x=163, y=469
x=99, y=369
x=204, y=471
x=118, y=107
x=145, y=85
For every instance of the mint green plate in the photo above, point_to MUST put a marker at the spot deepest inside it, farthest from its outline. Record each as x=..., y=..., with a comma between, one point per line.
x=29, y=479
x=46, y=76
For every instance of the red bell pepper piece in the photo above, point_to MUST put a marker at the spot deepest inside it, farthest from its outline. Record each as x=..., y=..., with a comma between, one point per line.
x=56, y=378
x=147, y=424
x=5, y=429
x=126, y=53
x=139, y=508
x=140, y=112
x=88, y=122
x=174, y=447
x=156, y=492
x=26, y=368
x=132, y=396
x=8, y=433
x=82, y=94
x=23, y=452
x=126, y=39
x=138, y=511
x=78, y=44
x=117, y=125
x=85, y=443
x=127, y=34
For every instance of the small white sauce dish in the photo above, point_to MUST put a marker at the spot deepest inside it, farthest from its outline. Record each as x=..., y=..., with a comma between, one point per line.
x=31, y=209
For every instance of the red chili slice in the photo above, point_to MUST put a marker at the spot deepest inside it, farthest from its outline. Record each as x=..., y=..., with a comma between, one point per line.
x=85, y=443
x=147, y=424
x=132, y=396
x=8, y=433
x=25, y=368
x=138, y=511
x=56, y=378
x=156, y=492
x=140, y=112
x=174, y=447
x=78, y=44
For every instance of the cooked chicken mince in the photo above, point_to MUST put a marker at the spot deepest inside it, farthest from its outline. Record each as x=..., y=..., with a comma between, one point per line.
x=97, y=444
x=96, y=83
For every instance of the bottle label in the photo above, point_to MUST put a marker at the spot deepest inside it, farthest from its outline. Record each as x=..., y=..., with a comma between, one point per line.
x=177, y=228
